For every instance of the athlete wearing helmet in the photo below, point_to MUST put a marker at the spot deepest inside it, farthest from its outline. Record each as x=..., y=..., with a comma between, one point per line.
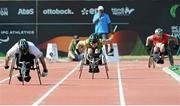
x=159, y=39
x=25, y=51
x=23, y=46
x=93, y=46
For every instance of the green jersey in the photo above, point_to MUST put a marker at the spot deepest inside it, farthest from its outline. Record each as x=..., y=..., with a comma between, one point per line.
x=88, y=45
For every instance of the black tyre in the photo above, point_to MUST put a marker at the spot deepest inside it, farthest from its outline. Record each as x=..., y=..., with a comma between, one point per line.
x=151, y=59
x=170, y=56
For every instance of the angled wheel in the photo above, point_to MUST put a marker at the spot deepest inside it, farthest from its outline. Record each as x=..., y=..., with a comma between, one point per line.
x=106, y=66
x=11, y=69
x=81, y=65
x=151, y=62
x=151, y=59
x=38, y=71
x=170, y=56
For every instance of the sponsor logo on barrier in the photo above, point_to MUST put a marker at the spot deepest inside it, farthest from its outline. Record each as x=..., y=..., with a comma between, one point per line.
x=4, y=11
x=4, y=40
x=56, y=11
x=17, y=32
x=23, y=11
x=90, y=11
x=175, y=31
x=124, y=11
x=173, y=10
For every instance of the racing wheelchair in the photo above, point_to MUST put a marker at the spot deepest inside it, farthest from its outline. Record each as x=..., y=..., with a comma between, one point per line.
x=168, y=54
x=93, y=62
x=23, y=66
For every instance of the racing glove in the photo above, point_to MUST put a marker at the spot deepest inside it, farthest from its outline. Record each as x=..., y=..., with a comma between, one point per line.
x=6, y=67
x=44, y=73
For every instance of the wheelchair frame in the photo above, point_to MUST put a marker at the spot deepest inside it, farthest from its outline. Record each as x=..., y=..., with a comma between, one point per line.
x=169, y=56
x=23, y=69
x=93, y=62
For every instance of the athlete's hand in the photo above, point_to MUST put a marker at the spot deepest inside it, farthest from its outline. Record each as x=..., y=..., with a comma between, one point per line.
x=44, y=73
x=148, y=48
x=6, y=67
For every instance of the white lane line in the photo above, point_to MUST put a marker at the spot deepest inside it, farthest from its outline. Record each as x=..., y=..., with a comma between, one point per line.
x=54, y=87
x=7, y=78
x=173, y=74
x=121, y=94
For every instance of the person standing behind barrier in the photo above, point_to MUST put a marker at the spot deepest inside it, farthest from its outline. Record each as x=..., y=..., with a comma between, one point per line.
x=73, y=53
x=25, y=51
x=103, y=25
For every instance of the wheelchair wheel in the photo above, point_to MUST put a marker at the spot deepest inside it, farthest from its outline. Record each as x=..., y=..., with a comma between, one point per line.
x=11, y=69
x=106, y=66
x=81, y=65
x=170, y=56
x=151, y=59
x=93, y=66
x=38, y=71
x=84, y=58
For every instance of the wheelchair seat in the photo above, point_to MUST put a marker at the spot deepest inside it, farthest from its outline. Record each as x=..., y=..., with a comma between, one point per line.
x=93, y=61
x=167, y=54
x=27, y=58
x=24, y=63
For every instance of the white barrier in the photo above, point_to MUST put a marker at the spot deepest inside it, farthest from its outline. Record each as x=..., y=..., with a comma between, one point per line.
x=52, y=52
x=115, y=56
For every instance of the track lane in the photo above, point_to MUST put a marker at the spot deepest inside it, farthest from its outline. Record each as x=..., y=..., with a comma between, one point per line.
x=87, y=91
x=17, y=94
x=144, y=86
x=141, y=86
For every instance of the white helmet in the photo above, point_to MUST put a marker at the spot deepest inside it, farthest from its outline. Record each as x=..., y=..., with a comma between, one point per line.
x=158, y=31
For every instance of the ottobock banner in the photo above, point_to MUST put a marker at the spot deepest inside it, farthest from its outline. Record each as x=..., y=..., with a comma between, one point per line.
x=46, y=22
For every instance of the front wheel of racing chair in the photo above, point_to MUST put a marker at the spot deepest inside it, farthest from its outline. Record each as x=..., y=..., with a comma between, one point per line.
x=93, y=62
x=23, y=69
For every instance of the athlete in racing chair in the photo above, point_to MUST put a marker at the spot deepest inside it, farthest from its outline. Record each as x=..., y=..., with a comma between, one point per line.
x=93, y=48
x=160, y=41
x=25, y=51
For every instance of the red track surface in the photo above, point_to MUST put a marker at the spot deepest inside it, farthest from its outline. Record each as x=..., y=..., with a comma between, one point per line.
x=140, y=86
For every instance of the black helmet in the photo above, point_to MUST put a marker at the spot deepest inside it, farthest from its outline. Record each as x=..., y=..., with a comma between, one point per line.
x=93, y=38
x=23, y=45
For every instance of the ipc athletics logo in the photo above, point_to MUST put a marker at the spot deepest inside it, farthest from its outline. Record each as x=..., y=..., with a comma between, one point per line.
x=173, y=10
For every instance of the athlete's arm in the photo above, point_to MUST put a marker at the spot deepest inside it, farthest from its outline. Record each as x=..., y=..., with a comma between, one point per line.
x=149, y=39
x=11, y=52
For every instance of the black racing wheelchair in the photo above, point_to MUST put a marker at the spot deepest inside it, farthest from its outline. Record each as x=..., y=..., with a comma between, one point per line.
x=23, y=67
x=93, y=62
x=168, y=54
